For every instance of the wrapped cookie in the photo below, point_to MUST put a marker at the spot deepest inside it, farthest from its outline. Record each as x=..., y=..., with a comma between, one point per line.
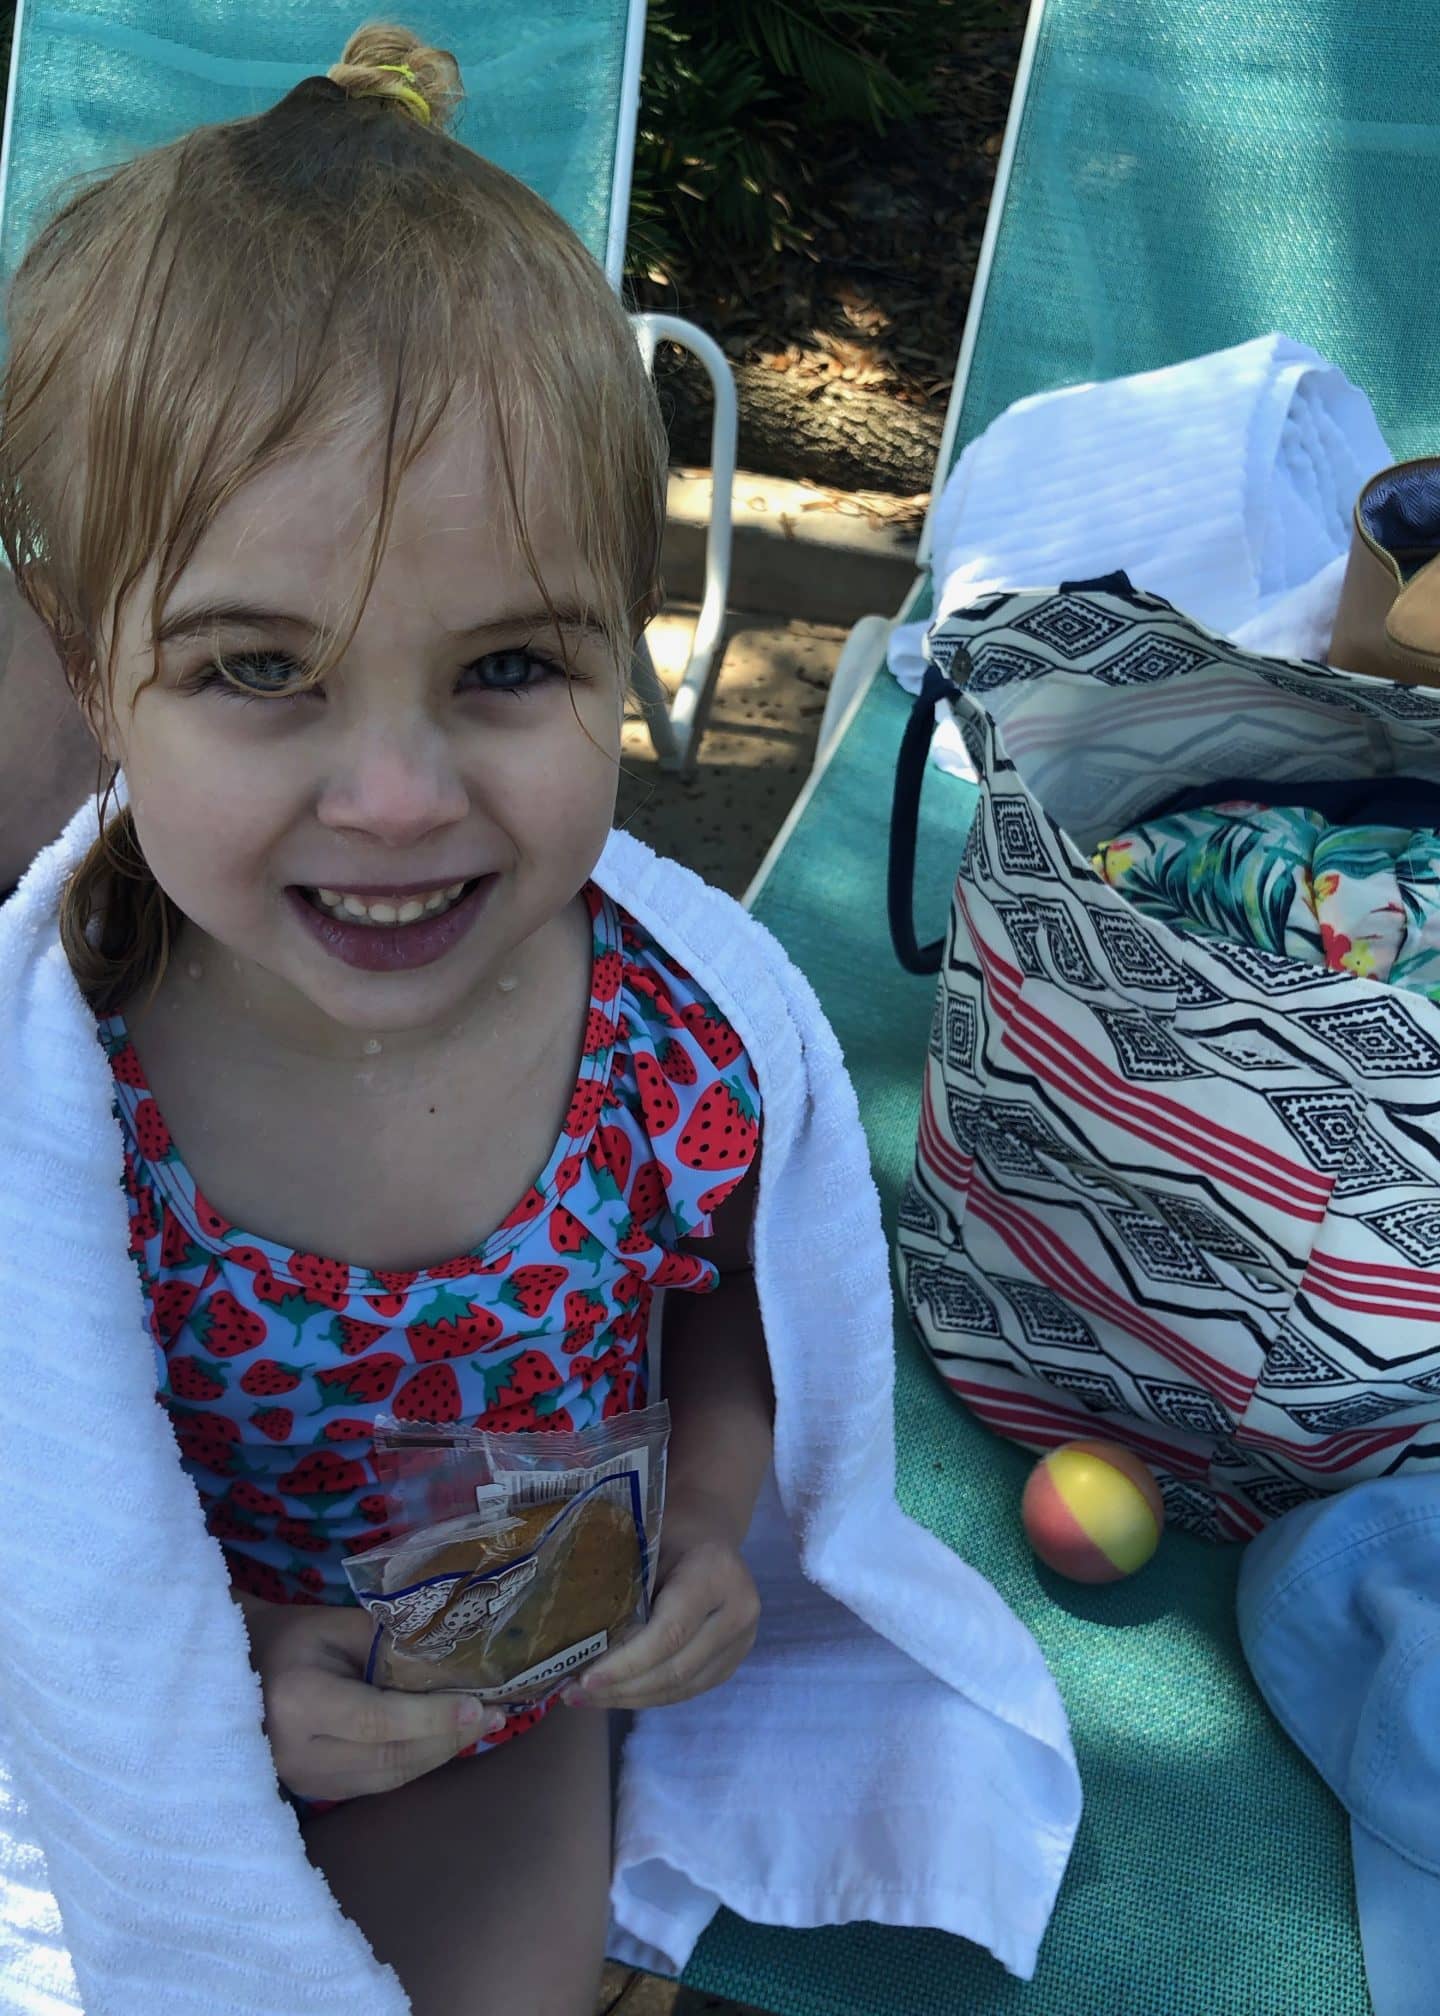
x=514, y=1560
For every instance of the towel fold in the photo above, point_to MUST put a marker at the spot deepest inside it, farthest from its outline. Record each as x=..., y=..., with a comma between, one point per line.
x=1225, y=484
x=894, y=1749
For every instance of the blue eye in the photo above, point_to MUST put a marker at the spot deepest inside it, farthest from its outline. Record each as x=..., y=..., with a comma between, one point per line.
x=253, y=675
x=511, y=671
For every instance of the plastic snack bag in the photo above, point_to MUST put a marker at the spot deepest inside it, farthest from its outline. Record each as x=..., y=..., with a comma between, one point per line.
x=515, y=1560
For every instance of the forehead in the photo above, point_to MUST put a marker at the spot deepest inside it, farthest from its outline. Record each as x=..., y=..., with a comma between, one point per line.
x=303, y=527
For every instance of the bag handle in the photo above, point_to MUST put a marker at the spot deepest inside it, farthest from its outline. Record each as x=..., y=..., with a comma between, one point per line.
x=905, y=820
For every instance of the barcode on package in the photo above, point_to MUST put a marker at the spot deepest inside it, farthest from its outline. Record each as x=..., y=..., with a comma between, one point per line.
x=514, y=1490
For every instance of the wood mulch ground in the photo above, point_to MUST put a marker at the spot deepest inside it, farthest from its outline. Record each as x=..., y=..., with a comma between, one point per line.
x=873, y=309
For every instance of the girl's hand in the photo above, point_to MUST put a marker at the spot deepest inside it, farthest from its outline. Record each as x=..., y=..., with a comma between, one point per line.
x=332, y=1735
x=703, y=1624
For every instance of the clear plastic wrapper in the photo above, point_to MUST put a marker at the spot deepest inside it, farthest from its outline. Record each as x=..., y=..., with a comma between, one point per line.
x=514, y=1560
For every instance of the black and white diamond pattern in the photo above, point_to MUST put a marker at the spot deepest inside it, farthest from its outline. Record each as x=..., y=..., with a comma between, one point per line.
x=1152, y=657
x=1143, y=1050
x=1017, y=838
x=960, y=1110
x=975, y=860
x=1019, y=1118
x=1275, y=1496
x=956, y=1305
x=1189, y=1508
x=1373, y=1165
x=1347, y=1068
x=1324, y=1123
x=1186, y=1407
x=1072, y=626
x=1358, y=1410
x=1066, y=947
x=1022, y=928
x=1135, y=958
x=1412, y=1229
x=1095, y=1390
x=1375, y=1035
x=1295, y=1361
x=961, y=1030
x=1207, y=1228
x=998, y=665
x=1156, y=1250
x=1196, y=991
x=1048, y=1323
x=1270, y=972
x=917, y=1213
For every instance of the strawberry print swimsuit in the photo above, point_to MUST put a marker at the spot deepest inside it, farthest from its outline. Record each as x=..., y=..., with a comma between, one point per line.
x=274, y=1364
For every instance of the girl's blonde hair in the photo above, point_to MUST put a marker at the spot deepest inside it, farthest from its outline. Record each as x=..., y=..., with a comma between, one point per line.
x=259, y=287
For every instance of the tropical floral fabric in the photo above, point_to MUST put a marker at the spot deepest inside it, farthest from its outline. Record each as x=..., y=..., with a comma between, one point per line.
x=1361, y=899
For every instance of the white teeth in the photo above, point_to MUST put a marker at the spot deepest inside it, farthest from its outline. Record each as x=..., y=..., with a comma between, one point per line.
x=383, y=912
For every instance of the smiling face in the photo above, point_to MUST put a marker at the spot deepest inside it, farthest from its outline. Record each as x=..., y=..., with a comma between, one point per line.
x=455, y=747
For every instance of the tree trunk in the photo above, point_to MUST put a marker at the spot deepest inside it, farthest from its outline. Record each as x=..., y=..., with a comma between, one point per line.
x=839, y=434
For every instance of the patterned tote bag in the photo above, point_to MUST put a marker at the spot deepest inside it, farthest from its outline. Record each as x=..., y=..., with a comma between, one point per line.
x=1178, y=1190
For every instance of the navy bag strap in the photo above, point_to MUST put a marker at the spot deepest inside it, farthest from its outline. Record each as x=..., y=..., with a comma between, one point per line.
x=905, y=820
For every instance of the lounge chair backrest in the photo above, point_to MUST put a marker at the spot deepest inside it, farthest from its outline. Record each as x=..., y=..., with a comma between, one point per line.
x=552, y=89
x=1180, y=175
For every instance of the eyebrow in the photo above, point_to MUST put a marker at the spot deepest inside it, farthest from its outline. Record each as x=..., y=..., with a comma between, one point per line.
x=207, y=616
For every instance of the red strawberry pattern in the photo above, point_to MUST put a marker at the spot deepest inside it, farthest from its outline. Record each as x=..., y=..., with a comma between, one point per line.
x=277, y=1360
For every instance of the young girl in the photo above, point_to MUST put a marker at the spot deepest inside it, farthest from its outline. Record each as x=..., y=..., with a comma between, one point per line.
x=330, y=465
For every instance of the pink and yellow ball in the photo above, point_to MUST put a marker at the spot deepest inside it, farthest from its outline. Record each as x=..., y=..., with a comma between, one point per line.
x=1092, y=1511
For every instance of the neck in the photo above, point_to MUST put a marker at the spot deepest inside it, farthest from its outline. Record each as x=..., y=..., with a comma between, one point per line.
x=247, y=1011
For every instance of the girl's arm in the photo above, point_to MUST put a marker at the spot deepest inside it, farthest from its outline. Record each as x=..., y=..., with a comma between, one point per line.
x=716, y=1377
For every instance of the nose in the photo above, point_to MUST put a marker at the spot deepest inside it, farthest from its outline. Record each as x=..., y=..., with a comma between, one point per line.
x=397, y=785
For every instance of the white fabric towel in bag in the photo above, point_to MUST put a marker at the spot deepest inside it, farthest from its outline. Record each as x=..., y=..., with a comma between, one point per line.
x=1225, y=484
x=895, y=1748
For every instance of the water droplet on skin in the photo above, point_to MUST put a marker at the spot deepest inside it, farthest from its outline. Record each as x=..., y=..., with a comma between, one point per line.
x=374, y=1047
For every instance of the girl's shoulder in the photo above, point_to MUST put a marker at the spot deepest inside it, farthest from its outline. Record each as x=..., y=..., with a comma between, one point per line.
x=682, y=1071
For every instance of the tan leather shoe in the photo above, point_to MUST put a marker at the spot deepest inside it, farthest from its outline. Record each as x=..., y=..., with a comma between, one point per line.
x=1388, y=622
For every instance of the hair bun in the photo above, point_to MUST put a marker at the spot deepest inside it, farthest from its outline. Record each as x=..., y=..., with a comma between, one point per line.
x=382, y=61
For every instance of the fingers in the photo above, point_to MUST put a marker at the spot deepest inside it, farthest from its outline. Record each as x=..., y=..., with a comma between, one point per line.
x=704, y=1624
x=375, y=1738
x=333, y=1769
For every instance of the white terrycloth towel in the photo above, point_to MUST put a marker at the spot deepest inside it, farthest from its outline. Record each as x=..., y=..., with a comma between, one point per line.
x=895, y=1748
x=1225, y=484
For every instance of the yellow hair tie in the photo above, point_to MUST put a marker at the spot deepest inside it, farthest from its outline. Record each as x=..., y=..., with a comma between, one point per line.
x=411, y=98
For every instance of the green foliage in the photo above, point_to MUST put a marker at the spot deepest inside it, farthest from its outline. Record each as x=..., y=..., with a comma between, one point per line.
x=735, y=96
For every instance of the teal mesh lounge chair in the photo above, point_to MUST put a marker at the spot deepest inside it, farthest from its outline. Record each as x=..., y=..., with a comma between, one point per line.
x=553, y=91
x=1177, y=176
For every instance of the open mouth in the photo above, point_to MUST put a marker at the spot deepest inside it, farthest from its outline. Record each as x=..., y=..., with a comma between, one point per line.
x=386, y=912
x=392, y=932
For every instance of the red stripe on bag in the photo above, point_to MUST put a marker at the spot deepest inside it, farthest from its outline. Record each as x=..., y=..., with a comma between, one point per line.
x=1251, y=1168
x=1054, y=1263
x=1062, y=1063
x=944, y=1160
x=1335, y=1452
x=1052, y=1425
x=1396, y=1291
x=1323, y=1291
